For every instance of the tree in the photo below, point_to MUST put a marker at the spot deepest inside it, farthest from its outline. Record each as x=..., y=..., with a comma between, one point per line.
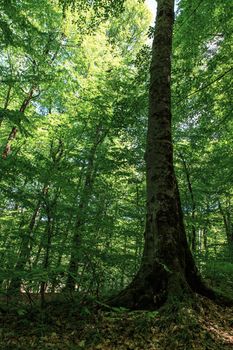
x=51, y=223
x=168, y=270
x=73, y=180
x=202, y=108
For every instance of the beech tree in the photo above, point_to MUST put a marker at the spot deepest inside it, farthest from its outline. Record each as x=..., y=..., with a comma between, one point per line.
x=168, y=270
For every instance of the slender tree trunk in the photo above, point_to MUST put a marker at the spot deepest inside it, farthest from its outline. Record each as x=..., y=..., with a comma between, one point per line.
x=7, y=100
x=205, y=241
x=49, y=233
x=168, y=270
x=14, y=130
x=79, y=222
x=82, y=208
x=25, y=248
x=226, y=215
x=28, y=98
x=56, y=154
x=193, y=204
x=37, y=255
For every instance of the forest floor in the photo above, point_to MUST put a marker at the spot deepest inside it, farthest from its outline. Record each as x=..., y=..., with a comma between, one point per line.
x=67, y=326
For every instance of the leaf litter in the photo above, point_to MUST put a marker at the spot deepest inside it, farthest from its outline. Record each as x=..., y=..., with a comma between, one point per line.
x=204, y=327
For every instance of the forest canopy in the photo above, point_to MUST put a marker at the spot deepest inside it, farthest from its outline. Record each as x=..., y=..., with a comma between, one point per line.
x=75, y=81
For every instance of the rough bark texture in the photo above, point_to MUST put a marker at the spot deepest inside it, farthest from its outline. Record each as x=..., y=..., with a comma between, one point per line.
x=168, y=270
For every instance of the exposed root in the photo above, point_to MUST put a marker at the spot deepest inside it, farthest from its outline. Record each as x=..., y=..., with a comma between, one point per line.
x=144, y=292
x=152, y=288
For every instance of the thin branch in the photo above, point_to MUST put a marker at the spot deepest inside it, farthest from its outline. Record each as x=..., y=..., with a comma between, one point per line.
x=206, y=85
x=191, y=14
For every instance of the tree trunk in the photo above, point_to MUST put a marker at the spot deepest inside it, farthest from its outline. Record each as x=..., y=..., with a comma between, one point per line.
x=82, y=209
x=27, y=99
x=7, y=100
x=193, y=204
x=14, y=129
x=25, y=249
x=226, y=215
x=227, y=222
x=168, y=270
x=50, y=211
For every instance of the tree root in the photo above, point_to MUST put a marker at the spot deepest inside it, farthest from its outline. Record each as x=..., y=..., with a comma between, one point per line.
x=152, y=289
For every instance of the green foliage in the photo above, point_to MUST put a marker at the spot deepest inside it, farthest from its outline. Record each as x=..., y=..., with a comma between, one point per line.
x=202, y=123
x=73, y=184
x=74, y=82
x=80, y=151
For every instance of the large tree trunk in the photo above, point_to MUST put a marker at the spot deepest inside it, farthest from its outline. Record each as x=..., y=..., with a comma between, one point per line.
x=168, y=270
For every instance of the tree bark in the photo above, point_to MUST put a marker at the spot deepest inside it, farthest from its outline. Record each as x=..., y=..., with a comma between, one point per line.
x=7, y=100
x=193, y=235
x=27, y=100
x=167, y=270
x=14, y=130
x=82, y=209
x=56, y=153
x=226, y=214
x=50, y=208
x=25, y=249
